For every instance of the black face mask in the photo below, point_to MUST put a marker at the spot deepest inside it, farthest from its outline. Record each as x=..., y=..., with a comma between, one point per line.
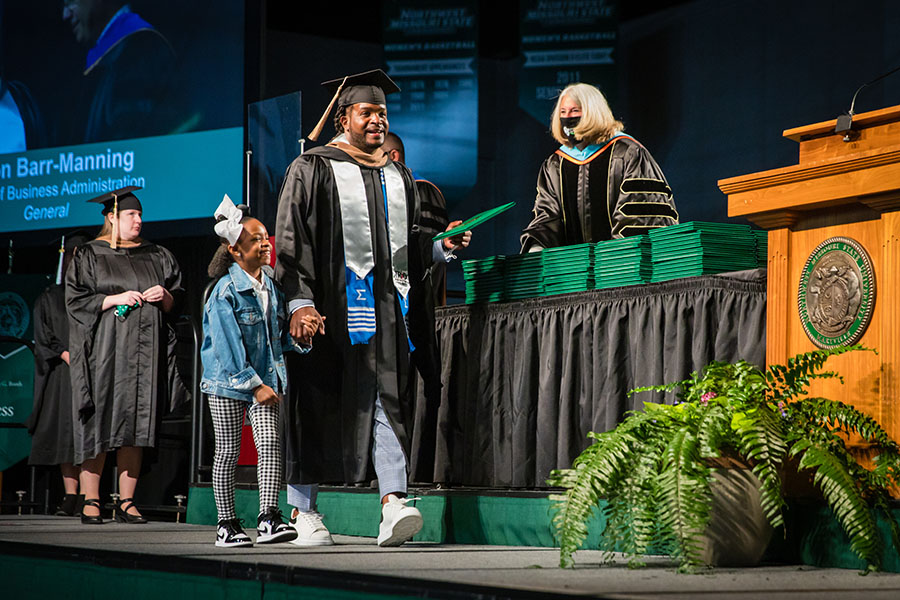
x=568, y=125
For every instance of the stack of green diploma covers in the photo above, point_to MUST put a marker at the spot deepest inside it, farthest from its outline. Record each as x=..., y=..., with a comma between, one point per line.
x=485, y=279
x=698, y=248
x=625, y=261
x=524, y=276
x=686, y=250
x=568, y=269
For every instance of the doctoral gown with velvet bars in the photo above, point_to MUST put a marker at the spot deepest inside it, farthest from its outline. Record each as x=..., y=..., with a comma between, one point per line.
x=617, y=192
x=50, y=422
x=329, y=409
x=123, y=369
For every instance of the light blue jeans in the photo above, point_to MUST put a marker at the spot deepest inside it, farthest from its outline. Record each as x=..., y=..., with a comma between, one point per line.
x=387, y=454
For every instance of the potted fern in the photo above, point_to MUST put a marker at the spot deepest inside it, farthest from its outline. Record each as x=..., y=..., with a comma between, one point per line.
x=656, y=469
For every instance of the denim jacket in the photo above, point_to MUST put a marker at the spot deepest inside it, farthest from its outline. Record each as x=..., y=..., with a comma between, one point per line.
x=240, y=350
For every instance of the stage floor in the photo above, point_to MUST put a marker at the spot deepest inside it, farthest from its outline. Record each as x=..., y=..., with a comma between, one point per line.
x=356, y=567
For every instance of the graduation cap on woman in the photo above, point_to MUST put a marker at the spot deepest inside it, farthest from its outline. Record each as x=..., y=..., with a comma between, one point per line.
x=114, y=201
x=370, y=86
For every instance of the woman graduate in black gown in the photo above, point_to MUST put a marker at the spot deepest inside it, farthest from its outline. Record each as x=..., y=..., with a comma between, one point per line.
x=50, y=423
x=121, y=292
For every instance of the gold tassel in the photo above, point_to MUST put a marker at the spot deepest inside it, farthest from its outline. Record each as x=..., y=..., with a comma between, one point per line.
x=321, y=124
x=114, y=238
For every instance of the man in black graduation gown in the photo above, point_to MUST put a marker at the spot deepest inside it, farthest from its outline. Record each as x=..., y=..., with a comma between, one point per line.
x=349, y=246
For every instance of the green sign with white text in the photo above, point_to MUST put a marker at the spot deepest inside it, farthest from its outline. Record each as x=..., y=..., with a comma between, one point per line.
x=17, y=296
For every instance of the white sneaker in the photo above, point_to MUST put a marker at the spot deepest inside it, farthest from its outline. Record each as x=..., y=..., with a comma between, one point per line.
x=311, y=531
x=229, y=534
x=399, y=522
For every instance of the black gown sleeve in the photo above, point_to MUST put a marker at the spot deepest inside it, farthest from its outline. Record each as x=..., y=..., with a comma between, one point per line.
x=426, y=212
x=48, y=345
x=643, y=198
x=83, y=305
x=432, y=207
x=547, y=228
x=172, y=281
x=295, y=230
x=47, y=350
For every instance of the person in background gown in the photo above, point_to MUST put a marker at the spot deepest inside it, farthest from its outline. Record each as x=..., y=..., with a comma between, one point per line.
x=128, y=72
x=600, y=184
x=429, y=294
x=50, y=422
x=122, y=293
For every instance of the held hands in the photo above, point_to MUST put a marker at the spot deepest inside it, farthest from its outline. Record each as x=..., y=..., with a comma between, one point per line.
x=65, y=356
x=305, y=323
x=460, y=240
x=264, y=395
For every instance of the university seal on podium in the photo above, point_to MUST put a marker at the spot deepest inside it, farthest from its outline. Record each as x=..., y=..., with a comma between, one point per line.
x=837, y=293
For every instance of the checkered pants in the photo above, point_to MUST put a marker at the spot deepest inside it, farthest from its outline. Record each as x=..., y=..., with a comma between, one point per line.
x=228, y=418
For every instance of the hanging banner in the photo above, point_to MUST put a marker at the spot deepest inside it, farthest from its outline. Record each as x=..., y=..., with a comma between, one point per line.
x=17, y=296
x=563, y=42
x=430, y=51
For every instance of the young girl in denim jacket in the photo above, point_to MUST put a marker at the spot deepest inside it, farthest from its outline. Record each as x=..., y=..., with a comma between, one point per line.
x=244, y=335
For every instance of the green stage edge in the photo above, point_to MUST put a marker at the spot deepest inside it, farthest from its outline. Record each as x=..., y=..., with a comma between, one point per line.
x=27, y=577
x=466, y=517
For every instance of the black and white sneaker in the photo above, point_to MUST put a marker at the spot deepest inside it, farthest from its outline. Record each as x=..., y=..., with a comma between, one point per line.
x=271, y=528
x=229, y=534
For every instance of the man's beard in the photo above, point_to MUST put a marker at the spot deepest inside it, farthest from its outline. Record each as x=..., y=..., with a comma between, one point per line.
x=359, y=140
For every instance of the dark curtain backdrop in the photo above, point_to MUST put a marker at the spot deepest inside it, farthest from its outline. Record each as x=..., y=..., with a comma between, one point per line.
x=525, y=382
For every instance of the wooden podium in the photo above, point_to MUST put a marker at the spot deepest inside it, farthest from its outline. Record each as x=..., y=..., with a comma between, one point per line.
x=840, y=188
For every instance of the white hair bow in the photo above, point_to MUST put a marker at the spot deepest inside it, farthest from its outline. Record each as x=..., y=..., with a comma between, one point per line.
x=230, y=227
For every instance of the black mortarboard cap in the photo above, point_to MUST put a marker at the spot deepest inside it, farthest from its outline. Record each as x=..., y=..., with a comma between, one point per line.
x=125, y=197
x=371, y=86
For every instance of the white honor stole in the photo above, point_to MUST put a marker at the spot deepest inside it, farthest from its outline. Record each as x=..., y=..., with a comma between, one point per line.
x=359, y=256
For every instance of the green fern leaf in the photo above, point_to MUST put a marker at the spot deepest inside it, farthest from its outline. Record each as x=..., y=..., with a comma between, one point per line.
x=840, y=490
x=683, y=484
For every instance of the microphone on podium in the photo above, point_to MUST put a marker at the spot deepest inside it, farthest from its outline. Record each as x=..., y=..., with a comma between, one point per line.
x=845, y=121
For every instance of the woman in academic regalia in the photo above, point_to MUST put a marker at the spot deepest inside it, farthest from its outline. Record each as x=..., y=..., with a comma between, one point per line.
x=50, y=422
x=121, y=294
x=600, y=184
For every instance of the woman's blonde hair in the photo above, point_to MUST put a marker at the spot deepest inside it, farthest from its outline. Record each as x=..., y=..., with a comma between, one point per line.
x=597, y=122
x=106, y=230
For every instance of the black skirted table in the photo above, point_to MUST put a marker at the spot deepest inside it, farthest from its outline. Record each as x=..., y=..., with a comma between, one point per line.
x=524, y=382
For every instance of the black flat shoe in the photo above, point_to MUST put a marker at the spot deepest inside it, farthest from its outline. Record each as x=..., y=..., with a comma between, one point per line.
x=67, y=506
x=123, y=517
x=85, y=519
